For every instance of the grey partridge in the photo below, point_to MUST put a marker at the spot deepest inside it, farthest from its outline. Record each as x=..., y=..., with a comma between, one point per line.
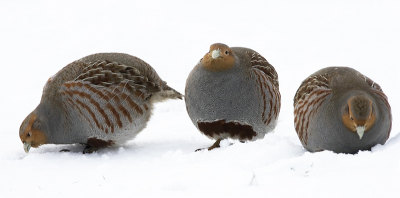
x=341, y=110
x=233, y=93
x=100, y=100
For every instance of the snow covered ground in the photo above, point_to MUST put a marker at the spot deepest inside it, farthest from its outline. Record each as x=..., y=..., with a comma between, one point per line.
x=38, y=38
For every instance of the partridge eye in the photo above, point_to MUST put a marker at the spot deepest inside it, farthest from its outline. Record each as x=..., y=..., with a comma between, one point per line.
x=29, y=134
x=226, y=52
x=351, y=118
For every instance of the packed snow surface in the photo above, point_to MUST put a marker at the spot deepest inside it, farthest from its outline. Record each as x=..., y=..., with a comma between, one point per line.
x=38, y=38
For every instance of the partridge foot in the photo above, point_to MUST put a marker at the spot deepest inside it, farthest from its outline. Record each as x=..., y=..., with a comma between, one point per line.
x=215, y=145
x=90, y=149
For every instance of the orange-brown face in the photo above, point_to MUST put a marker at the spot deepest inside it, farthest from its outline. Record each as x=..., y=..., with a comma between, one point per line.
x=30, y=134
x=356, y=123
x=219, y=58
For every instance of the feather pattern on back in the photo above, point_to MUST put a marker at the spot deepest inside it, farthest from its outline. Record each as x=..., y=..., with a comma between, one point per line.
x=268, y=84
x=308, y=99
x=108, y=94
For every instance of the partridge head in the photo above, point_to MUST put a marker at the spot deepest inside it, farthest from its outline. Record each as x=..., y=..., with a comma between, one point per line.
x=31, y=132
x=359, y=116
x=219, y=58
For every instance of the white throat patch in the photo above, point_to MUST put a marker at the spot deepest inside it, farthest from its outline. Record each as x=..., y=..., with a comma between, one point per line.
x=360, y=131
x=215, y=53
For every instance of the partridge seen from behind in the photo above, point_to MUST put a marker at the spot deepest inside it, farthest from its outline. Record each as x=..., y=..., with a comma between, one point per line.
x=100, y=100
x=341, y=110
x=233, y=93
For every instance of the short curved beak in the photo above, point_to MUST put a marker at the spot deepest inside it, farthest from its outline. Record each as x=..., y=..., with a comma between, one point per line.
x=215, y=53
x=27, y=147
x=360, y=131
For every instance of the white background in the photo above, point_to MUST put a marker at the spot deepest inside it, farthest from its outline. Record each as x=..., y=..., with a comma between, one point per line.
x=38, y=38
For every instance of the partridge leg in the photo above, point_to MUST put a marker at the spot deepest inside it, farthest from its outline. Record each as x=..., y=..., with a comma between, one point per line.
x=90, y=149
x=94, y=144
x=215, y=145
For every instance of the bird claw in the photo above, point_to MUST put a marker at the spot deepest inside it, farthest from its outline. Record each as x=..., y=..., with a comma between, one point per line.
x=89, y=149
x=215, y=145
x=199, y=149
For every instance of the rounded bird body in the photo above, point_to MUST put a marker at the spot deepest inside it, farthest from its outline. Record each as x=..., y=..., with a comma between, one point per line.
x=233, y=93
x=339, y=109
x=99, y=100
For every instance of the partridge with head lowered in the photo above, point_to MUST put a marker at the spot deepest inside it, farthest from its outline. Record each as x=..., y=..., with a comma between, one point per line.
x=339, y=109
x=233, y=93
x=100, y=100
